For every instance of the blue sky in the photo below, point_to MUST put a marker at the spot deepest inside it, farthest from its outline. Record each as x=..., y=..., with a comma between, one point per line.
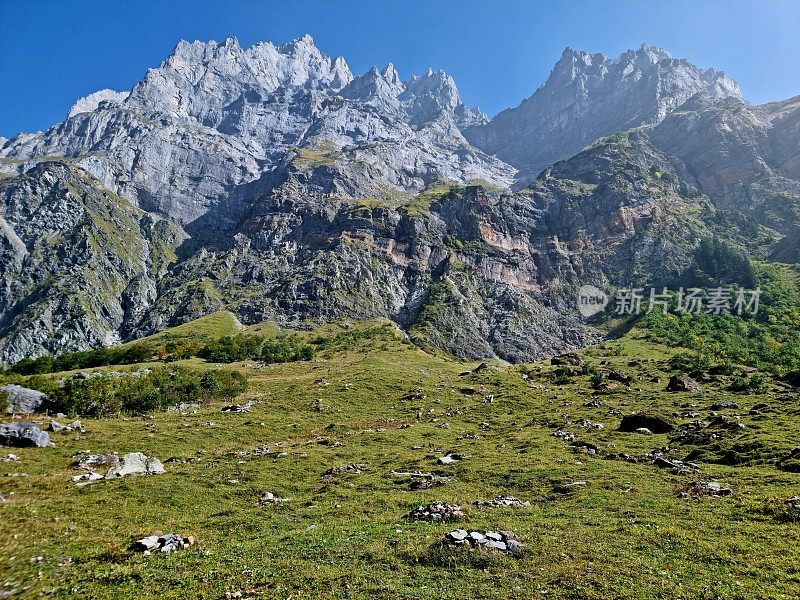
x=499, y=52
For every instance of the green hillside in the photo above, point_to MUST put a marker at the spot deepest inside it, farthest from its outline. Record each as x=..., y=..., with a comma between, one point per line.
x=598, y=526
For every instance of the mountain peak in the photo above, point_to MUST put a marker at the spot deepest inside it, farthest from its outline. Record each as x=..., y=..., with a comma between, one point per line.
x=588, y=96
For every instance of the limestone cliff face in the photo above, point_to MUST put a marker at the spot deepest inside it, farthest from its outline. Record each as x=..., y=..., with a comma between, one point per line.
x=272, y=182
x=462, y=268
x=214, y=117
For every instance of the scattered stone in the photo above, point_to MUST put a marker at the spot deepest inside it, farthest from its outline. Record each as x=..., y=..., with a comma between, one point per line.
x=421, y=480
x=87, y=460
x=162, y=543
x=587, y=424
x=682, y=383
x=644, y=431
x=594, y=403
x=55, y=426
x=238, y=408
x=484, y=426
x=688, y=415
x=436, y=512
x=566, y=436
x=9, y=458
x=656, y=424
x=444, y=426
x=585, y=448
x=23, y=434
x=502, y=502
x=793, y=502
x=427, y=484
x=353, y=468
x=724, y=405
x=679, y=467
x=85, y=478
x=136, y=463
x=450, y=458
x=705, y=488
x=22, y=400
x=270, y=498
x=504, y=541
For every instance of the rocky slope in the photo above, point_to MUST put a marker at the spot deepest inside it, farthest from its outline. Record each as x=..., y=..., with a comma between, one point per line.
x=589, y=96
x=272, y=182
x=77, y=263
x=476, y=272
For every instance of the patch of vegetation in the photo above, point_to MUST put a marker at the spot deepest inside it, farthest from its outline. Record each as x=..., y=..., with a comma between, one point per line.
x=716, y=263
x=768, y=340
x=283, y=348
x=322, y=153
x=104, y=394
x=87, y=359
x=597, y=526
x=419, y=206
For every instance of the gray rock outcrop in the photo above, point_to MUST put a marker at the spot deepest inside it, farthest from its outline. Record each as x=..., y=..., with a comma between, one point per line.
x=23, y=434
x=21, y=400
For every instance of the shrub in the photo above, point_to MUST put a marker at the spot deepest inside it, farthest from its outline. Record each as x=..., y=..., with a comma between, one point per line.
x=754, y=384
x=283, y=348
x=141, y=391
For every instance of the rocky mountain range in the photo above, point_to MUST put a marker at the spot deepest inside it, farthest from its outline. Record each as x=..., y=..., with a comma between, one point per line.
x=272, y=182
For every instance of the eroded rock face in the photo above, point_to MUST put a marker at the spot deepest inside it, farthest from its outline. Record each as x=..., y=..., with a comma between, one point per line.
x=77, y=263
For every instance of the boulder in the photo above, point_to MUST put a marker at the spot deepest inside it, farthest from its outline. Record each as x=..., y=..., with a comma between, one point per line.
x=22, y=400
x=162, y=543
x=136, y=463
x=682, y=383
x=23, y=434
x=450, y=458
x=656, y=424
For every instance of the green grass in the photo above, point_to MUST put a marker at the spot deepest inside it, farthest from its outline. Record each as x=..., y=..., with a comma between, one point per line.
x=625, y=535
x=322, y=153
x=210, y=327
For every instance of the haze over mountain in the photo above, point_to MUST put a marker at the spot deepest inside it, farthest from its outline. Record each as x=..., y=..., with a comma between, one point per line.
x=274, y=182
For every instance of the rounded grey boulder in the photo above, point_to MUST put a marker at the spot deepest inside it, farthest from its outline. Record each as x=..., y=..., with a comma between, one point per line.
x=22, y=400
x=23, y=434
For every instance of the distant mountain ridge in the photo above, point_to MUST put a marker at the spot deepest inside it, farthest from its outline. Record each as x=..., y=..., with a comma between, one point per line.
x=588, y=96
x=274, y=183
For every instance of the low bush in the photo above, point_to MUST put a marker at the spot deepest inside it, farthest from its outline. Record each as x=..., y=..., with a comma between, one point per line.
x=141, y=391
x=283, y=348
